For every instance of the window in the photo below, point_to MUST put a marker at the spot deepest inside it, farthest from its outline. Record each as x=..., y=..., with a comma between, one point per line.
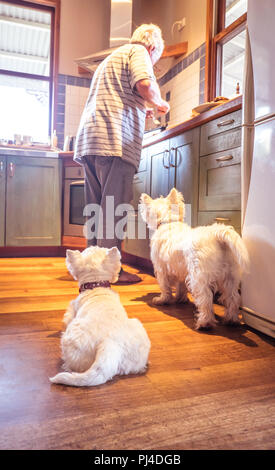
x=225, y=47
x=26, y=69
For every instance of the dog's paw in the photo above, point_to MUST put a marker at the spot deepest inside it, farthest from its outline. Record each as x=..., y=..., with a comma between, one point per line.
x=231, y=322
x=162, y=300
x=205, y=324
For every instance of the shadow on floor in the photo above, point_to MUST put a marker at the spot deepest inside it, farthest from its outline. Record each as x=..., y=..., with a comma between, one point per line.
x=186, y=313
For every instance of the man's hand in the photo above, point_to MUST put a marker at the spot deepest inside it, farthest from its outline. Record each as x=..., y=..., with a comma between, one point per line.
x=150, y=92
x=164, y=108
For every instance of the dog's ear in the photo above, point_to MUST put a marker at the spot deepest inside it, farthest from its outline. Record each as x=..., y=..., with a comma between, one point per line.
x=72, y=255
x=175, y=197
x=144, y=204
x=145, y=199
x=114, y=253
x=73, y=261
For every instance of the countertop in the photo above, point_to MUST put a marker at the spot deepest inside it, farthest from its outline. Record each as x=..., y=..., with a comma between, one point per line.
x=199, y=120
x=28, y=152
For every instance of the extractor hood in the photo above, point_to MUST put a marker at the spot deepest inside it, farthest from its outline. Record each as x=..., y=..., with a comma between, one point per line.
x=120, y=33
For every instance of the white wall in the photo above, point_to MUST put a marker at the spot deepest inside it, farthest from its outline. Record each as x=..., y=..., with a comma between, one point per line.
x=186, y=86
x=84, y=29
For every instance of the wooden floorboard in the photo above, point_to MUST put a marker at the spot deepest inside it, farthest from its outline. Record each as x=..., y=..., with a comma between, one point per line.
x=202, y=390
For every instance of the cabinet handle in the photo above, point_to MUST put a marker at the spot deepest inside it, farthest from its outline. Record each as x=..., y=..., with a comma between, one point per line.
x=11, y=169
x=163, y=159
x=77, y=182
x=225, y=123
x=222, y=219
x=172, y=164
x=1, y=167
x=224, y=158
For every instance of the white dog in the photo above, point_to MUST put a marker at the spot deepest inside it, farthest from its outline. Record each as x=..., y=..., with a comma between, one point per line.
x=201, y=260
x=100, y=341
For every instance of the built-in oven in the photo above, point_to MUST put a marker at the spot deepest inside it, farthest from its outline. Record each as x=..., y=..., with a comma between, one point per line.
x=73, y=201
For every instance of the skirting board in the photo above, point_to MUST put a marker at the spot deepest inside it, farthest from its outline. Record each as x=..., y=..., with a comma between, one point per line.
x=257, y=322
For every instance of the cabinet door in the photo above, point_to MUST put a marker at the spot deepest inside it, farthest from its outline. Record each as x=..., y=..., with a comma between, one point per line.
x=184, y=156
x=162, y=174
x=33, y=215
x=220, y=181
x=137, y=239
x=139, y=187
x=2, y=199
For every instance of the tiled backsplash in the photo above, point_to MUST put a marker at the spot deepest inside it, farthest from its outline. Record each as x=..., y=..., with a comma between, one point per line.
x=183, y=84
x=71, y=98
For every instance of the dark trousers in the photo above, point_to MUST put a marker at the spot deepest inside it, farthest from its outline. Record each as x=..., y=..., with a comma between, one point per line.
x=108, y=184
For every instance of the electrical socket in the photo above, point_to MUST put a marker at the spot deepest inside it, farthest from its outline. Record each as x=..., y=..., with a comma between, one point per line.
x=182, y=24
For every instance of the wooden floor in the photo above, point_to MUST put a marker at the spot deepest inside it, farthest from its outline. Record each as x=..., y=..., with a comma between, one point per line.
x=202, y=390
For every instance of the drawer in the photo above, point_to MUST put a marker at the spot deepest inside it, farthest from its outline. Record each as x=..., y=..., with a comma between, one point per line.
x=72, y=172
x=220, y=181
x=221, y=134
x=139, y=187
x=225, y=217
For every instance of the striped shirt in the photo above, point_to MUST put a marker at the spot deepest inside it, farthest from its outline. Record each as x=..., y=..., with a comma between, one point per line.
x=113, y=120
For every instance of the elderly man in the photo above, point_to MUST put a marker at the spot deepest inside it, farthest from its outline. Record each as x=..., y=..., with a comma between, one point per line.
x=109, y=138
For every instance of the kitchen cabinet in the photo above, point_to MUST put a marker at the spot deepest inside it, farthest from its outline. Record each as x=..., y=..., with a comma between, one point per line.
x=204, y=164
x=137, y=240
x=2, y=198
x=220, y=181
x=221, y=134
x=162, y=173
x=220, y=171
x=174, y=163
x=33, y=201
x=184, y=158
x=225, y=217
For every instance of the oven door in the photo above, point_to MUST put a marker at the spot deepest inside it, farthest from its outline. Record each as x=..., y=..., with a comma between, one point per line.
x=74, y=203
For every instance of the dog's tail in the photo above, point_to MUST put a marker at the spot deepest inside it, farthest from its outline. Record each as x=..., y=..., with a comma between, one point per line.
x=104, y=368
x=232, y=239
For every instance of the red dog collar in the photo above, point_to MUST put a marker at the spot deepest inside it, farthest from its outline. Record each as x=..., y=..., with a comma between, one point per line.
x=93, y=285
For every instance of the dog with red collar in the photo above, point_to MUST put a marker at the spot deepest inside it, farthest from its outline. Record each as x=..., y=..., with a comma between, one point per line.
x=100, y=341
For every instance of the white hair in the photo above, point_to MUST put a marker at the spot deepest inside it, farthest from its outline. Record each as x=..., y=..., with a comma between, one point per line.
x=149, y=35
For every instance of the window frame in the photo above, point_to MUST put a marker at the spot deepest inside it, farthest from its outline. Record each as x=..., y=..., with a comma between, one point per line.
x=52, y=7
x=216, y=36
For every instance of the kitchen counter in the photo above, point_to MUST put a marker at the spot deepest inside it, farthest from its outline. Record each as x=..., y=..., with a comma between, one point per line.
x=28, y=152
x=213, y=113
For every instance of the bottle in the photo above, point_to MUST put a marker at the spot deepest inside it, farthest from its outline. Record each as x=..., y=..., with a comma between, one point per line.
x=54, y=140
x=238, y=88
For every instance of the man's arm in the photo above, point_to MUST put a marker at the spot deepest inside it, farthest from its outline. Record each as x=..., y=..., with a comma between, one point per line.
x=150, y=92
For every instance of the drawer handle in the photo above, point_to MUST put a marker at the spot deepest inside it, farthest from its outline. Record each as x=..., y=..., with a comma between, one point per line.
x=173, y=149
x=225, y=123
x=222, y=219
x=77, y=182
x=163, y=157
x=11, y=169
x=224, y=158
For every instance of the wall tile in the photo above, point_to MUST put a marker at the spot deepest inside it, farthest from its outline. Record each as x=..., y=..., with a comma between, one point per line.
x=185, y=82
x=72, y=93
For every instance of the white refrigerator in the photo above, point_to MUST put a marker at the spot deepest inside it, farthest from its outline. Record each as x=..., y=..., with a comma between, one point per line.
x=258, y=167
